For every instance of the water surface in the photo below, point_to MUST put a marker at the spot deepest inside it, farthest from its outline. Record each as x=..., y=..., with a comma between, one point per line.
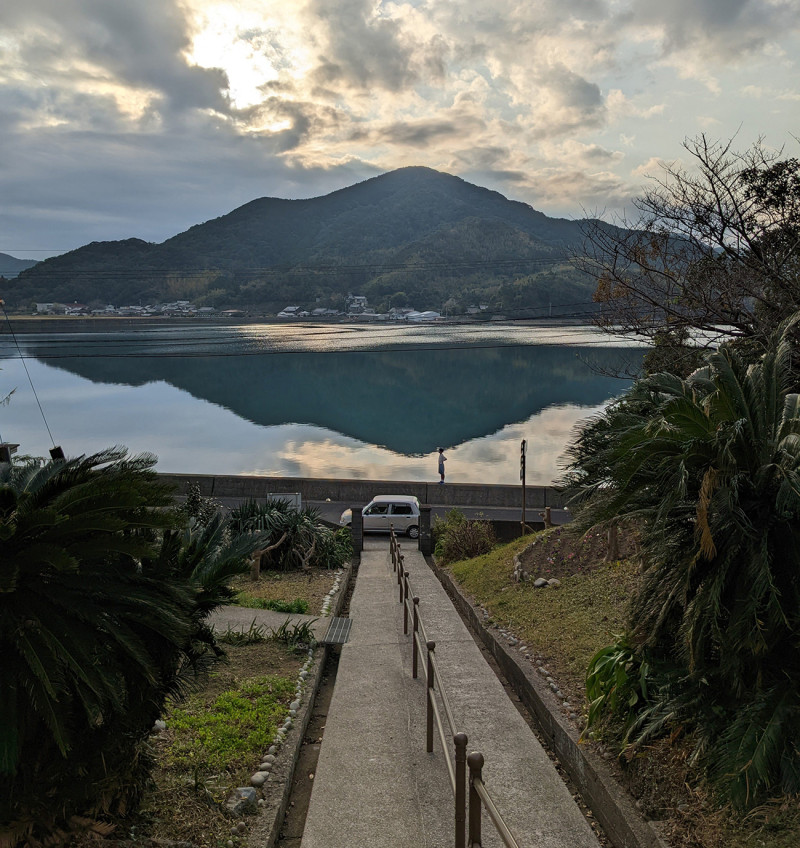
x=320, y=401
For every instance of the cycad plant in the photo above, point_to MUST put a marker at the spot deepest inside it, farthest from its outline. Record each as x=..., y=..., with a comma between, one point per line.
x=103, y=598
x=293, y=538
x=708, y=469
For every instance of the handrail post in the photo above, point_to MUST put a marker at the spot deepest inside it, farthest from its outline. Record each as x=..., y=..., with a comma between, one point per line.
x=414, y=633
x=460, y=742
x=405, y=605
x=431, y=646
x=475, y=763
x=403, y=581
x=399, y=566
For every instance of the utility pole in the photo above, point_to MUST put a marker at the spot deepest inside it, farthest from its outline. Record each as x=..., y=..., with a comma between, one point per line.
x=523, y=446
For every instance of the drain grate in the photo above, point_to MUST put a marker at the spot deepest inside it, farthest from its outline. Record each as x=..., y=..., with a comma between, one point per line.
x=338, y=632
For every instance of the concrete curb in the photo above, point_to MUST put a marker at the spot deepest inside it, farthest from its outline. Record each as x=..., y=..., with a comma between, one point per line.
x=608, y=801
x=265, y=831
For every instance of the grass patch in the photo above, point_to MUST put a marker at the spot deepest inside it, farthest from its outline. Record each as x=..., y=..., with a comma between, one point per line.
x=566, y=625
x=297, y=606
x=214, y=742
x=231, y=730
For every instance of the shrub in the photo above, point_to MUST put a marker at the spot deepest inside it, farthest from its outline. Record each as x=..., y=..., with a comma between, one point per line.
x=92, y=643
x=104, y=597
x=293, y=538
x=709, y=468
x=458, y=538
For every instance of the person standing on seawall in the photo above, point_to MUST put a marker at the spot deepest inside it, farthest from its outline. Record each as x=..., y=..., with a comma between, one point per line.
x=442, y=460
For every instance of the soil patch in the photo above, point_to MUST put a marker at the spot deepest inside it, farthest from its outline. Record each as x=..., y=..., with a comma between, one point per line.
x=561, y=552
x=309, y=585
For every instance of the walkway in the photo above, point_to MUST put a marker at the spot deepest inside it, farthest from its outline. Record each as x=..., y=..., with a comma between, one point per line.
x=375, y=787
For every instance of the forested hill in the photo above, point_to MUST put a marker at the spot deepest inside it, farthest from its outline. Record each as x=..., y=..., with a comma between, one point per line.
x=10, y=266
x=413, y=235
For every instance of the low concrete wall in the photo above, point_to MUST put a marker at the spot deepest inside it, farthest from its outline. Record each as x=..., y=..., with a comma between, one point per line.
x=362, y=491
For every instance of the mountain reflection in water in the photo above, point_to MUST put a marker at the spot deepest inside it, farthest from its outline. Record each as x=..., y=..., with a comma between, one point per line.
x=406, y=400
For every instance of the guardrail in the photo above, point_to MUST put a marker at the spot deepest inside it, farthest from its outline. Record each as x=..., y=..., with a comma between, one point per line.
x=467, y=827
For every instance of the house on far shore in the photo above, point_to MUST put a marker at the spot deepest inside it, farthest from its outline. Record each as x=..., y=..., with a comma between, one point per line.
x=289, y=312
x=356, y=304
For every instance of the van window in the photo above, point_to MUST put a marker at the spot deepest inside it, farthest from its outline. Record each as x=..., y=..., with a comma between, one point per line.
x=402, y=509
x=377, y=509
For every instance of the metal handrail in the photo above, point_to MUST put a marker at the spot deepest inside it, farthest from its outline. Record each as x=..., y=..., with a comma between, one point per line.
x=478, y=793
x=443, y=693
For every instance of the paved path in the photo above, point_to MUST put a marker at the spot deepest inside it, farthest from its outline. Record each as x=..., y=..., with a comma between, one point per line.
x=375, y=786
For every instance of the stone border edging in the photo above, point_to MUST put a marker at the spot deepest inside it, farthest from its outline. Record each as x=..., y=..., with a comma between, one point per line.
x=608, y=801
x=265, y=830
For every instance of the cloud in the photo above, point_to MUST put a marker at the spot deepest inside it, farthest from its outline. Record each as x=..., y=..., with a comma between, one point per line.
x=727, y=30
x=94, y=44
x=144, y=117
x=366, y=45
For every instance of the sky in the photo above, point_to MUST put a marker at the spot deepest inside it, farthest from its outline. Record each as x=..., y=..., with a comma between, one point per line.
x=140, y=118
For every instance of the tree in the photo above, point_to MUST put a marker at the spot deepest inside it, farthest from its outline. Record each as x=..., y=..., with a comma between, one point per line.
x=708, y=469
x=715, y=249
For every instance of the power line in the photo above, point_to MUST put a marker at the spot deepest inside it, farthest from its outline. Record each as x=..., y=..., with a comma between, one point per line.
x=25, y=366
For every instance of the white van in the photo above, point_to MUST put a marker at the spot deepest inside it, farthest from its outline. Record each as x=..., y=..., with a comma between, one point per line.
x=384, y=511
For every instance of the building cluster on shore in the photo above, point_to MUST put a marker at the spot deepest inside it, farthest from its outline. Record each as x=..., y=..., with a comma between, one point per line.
x=177, y=307
x=357, y=308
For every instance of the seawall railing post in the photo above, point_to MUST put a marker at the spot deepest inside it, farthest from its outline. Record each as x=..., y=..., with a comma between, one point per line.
x=357, y=528
x=460, y=742
x=425, y=543
x=475, y=763
x=414, y=633
x=431, y=646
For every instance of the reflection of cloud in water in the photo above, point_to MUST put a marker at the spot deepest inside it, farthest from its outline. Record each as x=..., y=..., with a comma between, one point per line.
x=193, y=436
x=492, y=459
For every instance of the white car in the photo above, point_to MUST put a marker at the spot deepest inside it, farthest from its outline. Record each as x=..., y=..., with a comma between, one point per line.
x=384, y=511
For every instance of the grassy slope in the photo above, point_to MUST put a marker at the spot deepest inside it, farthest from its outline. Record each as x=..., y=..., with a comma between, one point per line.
x=563, y=628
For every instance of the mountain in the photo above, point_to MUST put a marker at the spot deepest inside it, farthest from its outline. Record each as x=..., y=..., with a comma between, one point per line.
x=10, y=266
x=412, y=236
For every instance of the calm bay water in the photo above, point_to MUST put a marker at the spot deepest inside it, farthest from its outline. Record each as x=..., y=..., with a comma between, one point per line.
x=351, y=401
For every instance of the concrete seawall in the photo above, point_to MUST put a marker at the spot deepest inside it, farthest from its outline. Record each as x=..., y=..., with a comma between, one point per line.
x=361, y=491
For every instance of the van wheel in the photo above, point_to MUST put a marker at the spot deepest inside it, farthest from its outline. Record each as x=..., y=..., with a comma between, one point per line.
x=413, y=532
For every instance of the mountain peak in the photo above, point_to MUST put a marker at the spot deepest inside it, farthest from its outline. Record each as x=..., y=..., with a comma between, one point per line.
x=416, y=231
